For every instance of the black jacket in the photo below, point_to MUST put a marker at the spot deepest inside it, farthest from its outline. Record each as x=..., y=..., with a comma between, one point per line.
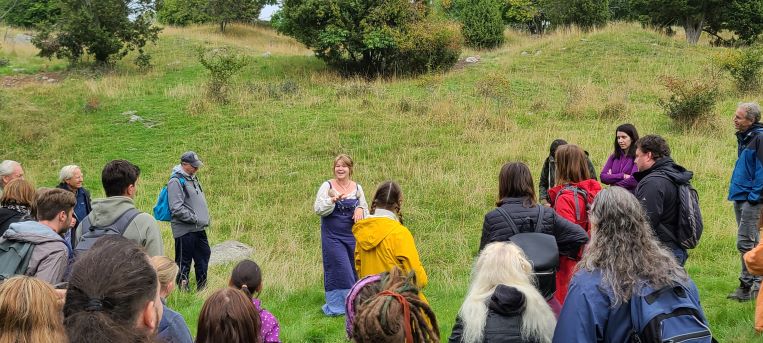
x=8, y=217
x=659, y=196
x=569, y=236
x=504, y=318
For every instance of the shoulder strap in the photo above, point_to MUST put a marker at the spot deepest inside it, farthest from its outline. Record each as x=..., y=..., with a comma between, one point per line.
x=539, y=223
x=575, y=190
x=506, y=216
x=181, y=180
x=124, y=220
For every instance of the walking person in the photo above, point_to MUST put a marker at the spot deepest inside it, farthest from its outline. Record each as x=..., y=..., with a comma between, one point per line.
x=620, y=166
x=517, y=208
x=190, y=218
x=745, y=191
x=340, y=203
x=71, y=179
x=571, y=197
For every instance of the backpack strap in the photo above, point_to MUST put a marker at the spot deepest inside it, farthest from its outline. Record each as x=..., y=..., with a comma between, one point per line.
x=182, y=182
x=539, y=223
x=124, y=220
x=506, y=216
x=575, y=191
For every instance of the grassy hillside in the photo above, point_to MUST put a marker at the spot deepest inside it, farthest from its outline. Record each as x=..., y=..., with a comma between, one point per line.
x=443, y=137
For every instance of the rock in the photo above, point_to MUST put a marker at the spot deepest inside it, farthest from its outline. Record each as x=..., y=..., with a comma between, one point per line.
x=129, y=113
x=51, y=80
x=44, y=78
x=537, y=53
x=229, y=251
x=22, y=38
x=134, y=118
x=266, y=54
x=18, y=70
x=472, y=59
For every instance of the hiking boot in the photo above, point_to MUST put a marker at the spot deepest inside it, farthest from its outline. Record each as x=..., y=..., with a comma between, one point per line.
x=741, y=294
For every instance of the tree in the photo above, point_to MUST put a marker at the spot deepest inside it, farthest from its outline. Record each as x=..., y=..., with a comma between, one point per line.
x=225, y=12
x=587, y=14
x=482, y=23
x=525, y=13
x=742, y=17
x=371, y=37
x=28, y=13
x=102, y=28
x=691, y=14
x=183, y=12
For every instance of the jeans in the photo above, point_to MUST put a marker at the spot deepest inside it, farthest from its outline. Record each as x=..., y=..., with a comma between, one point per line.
x=192, y=246
x=681, y=254
x=747, y=238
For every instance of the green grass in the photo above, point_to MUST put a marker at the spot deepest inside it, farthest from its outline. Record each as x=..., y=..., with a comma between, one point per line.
x=442, y=136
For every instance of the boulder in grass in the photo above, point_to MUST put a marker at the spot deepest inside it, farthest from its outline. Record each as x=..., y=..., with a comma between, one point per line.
x=229, y=251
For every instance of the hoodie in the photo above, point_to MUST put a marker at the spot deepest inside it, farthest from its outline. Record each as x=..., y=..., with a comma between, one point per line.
x=50, y=255
x=188, y=205
x=659, y=196
x=382, y=243
x=142, y=230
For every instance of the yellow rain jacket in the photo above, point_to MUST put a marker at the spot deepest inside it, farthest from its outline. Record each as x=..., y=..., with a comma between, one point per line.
x=382, y=243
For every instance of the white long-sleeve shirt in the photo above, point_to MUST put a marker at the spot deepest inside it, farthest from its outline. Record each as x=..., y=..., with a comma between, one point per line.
x=324, y=206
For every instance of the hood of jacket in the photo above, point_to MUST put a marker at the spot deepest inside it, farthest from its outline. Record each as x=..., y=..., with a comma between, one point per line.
x=31, y=231
x=372, y=231
x=107, y=210
x=507, y=301
x=675, y=172
x=590, y=186
x=744, y=137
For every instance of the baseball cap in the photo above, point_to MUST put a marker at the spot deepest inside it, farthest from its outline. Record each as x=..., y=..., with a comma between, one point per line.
x=191, y=158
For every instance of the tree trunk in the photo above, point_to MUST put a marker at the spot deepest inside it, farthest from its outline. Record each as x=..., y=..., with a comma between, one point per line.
x=693, y=28
x=222, y=26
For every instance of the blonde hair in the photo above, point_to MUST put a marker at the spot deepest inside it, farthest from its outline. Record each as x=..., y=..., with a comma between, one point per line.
x=503, y=263
x=166, y=270
x=30, y=312
x=18, y=192
x=344, y=158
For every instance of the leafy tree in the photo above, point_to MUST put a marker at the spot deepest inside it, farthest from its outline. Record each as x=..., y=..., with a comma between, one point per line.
x=622, y=10
x=225, y=12
x=102, y=28
x=371, y=37
x=183, y=12
x=28, y=13
x=587, y=14
x=742, y=17
x=691, y=14
x=482, y=23
x=525, y=13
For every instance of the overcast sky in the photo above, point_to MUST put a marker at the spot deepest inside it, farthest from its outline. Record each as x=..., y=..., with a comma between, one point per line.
x=268, y=11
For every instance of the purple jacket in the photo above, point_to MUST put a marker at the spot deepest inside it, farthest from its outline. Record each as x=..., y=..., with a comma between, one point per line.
x=270, y=328
x=619, y=167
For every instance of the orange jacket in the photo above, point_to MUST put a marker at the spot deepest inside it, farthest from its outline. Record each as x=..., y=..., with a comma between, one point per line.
x=754, y=261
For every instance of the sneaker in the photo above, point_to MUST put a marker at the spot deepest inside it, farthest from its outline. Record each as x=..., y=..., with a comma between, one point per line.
x=741, y=294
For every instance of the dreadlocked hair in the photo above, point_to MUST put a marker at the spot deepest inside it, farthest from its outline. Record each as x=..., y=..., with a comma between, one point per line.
x=389, y=196
x=396, y=313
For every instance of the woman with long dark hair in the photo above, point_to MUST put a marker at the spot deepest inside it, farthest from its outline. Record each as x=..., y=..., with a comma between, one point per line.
x=620, y=166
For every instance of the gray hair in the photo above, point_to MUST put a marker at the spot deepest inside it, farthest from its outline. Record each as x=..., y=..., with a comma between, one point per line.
x=751, y=110
x=7, y=167
x=625, y=249
x=67, y=172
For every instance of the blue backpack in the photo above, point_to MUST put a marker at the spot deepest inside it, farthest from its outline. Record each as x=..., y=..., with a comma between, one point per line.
x=162, y=208
x=668, y=315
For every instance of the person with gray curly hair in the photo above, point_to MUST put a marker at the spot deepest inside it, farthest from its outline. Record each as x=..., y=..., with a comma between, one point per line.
x=9, y=171
x=71, y=179
x=624, y=260
x=745, y=191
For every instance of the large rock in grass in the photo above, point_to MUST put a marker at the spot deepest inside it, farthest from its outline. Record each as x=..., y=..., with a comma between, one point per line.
x=229, y=251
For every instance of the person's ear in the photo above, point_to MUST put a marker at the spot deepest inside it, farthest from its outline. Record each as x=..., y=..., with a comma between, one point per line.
x=150, y=316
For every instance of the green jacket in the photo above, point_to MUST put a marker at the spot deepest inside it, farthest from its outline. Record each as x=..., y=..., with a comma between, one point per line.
x=142, y=230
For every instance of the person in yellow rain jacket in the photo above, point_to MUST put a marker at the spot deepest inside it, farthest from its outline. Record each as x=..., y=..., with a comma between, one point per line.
x=753, y=259
x=381, y=239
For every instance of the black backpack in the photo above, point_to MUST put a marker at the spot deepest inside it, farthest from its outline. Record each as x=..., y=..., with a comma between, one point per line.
x=91, y=233
x=541, y=250
x=690, y=226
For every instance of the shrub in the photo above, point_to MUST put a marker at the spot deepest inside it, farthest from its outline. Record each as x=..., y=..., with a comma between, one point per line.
x=586, y=14
x=4, y=62
x=106, y=29
x=690, y=101
x=29, y=13
x=744, y=65
x=370, y=37
x=222, y=63
x=183, y=12
x=482, y=22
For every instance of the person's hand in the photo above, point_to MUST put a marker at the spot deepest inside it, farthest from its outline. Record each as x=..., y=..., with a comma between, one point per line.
x=753, y=202
x=61, y=294
x=358, y=215
x=626, y=176
x=609, y=171
x=338, y=197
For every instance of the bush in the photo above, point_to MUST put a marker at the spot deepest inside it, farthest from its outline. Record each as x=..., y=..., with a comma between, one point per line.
x=690, y=101
x=183, y=12
x=29, y=13
x=371, y=38
x=222, y=63
x=482, y=22
x=586, y=14
x=744, y=66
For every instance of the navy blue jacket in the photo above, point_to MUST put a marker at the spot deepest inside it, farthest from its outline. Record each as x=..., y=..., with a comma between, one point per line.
x=588, y=316
x=747, y=178
x=172, y=328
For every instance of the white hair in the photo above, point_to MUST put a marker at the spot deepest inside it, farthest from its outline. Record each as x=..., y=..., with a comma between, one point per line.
x=505, y=263
x=751, y=110
x=7, y=167
x=67, y=172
